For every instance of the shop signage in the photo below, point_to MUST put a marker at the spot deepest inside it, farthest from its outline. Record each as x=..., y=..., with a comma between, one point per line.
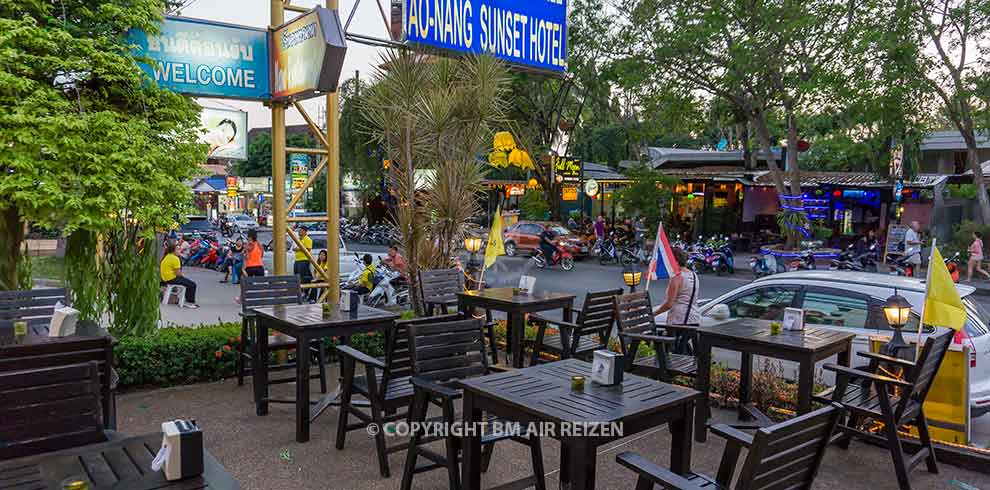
x=299, y=164
x=308, y=54
x=591, y=187
x=531, y=33
x=567, y=168
x=256, y=184
x=516, y=190
x=231, y=186
x=569, y=194
x=225, y=130
x=204, y=58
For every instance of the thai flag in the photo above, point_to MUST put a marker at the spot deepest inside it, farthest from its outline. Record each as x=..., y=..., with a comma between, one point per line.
x=662, y=263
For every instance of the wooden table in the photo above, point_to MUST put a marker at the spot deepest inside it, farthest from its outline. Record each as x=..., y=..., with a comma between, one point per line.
x=307, y=323
x=752, y=337
x=123, y=463
x=542, y=394
x=515, y=307
x=38, y=350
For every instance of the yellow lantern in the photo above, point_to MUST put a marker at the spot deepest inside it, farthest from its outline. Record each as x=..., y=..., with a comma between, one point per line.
x=532, y=184
x=521, y=159
x=498, y=159
x=503, y=141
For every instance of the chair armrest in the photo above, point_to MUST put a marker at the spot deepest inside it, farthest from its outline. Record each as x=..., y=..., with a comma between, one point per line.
x=348, y=351
x=656, y=474
x=856, y=373
x=560, y=323
x=648, y=337
x=885, y=358
x=435, y=389
x=726, y=432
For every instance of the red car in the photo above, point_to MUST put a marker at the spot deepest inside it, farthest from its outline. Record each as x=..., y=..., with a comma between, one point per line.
x=524, y=237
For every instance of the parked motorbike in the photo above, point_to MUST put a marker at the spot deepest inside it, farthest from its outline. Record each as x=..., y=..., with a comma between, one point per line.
x=765, y=265
x=851, y=261
x=803, y=262
x=560, y=256
x=901, y=267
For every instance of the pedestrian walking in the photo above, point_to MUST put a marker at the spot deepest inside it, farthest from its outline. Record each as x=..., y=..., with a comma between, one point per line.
x=975, y=257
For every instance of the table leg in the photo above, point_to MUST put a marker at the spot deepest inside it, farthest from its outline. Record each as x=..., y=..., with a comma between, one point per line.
x=745, y=384
x=680, y=447
x=806, y=384
x=302, y=388
x=565, y=465
x=259, y=367
x=471, y=453
x=517, y=329
x=566, y=315
x=581, y=465
x=703, y=384
x=844, y=356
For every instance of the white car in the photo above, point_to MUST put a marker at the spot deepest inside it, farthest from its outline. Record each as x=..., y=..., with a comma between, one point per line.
x=853, y=302
x=242, y=222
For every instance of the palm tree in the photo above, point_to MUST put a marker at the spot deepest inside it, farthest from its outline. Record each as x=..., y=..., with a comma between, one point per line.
x=434, y=116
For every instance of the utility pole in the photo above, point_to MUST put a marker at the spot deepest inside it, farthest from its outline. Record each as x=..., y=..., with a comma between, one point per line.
x=278, y=162
x=333, y=190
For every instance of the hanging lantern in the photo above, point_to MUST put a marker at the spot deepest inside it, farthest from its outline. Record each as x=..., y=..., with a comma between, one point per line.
x=503, y=141
x=497, y=159
x=532, y=184
x=520, y=159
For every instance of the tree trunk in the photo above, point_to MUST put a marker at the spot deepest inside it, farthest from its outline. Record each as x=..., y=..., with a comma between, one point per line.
x=11, y=237
x=973, y=159
x=763, y=135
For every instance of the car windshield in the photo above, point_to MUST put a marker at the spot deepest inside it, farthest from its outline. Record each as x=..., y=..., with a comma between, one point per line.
x=198, y=225
x=978, y=316
x=242, y=218
x=560, y=230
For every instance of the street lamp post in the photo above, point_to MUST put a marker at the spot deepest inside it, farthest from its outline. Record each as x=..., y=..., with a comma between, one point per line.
x=472, y=244
x=631, y=276
x=897, y=309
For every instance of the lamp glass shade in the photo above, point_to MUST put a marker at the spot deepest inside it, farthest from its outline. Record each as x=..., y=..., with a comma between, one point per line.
x=472, y=244
x=631, y=278
x=897, y=310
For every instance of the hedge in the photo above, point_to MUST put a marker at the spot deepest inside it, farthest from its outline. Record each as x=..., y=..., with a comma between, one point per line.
x=185, y=355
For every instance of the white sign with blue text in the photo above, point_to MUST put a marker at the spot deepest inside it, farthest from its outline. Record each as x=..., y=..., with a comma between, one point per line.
x=531, y=33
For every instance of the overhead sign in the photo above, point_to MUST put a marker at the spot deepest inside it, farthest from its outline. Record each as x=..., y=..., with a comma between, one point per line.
x=308, y=54
x=231, y=186
x=569, y=193
x=225, y=132
x=204, y=58
x=567, y=168
x=299, y=164
x=531, y=33
x=256, y=184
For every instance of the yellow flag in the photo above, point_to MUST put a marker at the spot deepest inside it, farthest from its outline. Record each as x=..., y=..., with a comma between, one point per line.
x=495, y=246
x=943, y=307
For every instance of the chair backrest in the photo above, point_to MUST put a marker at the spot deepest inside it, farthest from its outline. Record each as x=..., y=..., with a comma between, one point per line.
x=34, y=306
x=598, y=313
x=398, y=358
x=787, y=455
x=633, y=314
x=448, y=350
x=440, y=286
x=269, y=290
x=49, y=409
x=923, y=373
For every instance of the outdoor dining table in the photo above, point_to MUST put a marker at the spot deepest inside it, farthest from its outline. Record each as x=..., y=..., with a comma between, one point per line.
x=543, y=394
x=123, y=463
x=752, y=337
x=308, y=322
x=515, y=304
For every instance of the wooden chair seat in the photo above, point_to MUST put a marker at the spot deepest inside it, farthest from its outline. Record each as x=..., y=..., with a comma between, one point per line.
x=586, y=344
x=398, y=388
x=677, y=365
x=864, y=401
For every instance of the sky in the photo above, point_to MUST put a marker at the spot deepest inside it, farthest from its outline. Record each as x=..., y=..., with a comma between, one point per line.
x=256, y=13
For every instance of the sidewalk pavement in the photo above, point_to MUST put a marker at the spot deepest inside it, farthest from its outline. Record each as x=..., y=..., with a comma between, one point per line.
x=217, y=301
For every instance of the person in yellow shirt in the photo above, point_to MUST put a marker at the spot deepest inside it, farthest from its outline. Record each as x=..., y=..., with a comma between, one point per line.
x=170, y=272
x=367, y=280
x=301, y=266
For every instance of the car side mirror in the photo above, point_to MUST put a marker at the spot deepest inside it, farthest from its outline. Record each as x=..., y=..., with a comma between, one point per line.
x=719, y=312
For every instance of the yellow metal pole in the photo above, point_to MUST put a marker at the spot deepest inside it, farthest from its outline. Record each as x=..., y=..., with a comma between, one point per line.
x=278, y=161
x=333, y=192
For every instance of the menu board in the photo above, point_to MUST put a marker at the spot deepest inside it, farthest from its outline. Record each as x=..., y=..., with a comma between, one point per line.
x=895, y=239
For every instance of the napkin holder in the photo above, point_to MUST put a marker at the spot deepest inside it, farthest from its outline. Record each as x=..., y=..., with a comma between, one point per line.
x=793, y=319
x=63, y=322
x=607, y=367
x=349, y=300
x=184, y=453
x=526, y=284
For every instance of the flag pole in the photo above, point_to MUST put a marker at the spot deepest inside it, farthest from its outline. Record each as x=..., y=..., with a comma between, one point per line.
x=928, y=282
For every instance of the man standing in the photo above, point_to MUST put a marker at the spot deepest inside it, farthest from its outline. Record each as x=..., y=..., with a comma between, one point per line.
x=301, y=266
x=912, y=247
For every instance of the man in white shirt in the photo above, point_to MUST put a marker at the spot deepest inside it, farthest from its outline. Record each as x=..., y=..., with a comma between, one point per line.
x=912, y=247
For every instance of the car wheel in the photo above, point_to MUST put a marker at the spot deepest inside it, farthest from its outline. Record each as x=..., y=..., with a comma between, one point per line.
x=510, y=249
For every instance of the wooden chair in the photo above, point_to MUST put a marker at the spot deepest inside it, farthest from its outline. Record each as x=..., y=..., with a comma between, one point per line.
x=440, y=288
x=442, y=353
x=386, y=385
x=49, y=409
x=268, y=291
x=590, y=332
x=894, y=402
x=634, y=315
x=34, y=306
x=780, y=457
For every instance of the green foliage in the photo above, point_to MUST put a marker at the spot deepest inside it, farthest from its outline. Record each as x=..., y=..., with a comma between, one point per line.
x=85, y=133
x=962, y=191
x=790, y=222
x=962, y=236
x=184, y=355
x=86, y=275
x=533, y=205
x=52, y=268
x=132, y=278
x=648, y=196
x=24, y=271
x=259, y=161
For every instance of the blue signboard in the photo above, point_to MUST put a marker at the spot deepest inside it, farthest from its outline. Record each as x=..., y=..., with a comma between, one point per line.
x=210, y=59
x=532, y=33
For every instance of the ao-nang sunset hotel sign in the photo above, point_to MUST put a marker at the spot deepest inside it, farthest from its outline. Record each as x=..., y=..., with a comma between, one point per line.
x=299, y=59
x=530, y=33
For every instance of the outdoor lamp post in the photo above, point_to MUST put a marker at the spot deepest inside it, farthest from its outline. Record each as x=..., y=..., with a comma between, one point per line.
x=472, y=244
x=898, y=312
x=631, y=276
